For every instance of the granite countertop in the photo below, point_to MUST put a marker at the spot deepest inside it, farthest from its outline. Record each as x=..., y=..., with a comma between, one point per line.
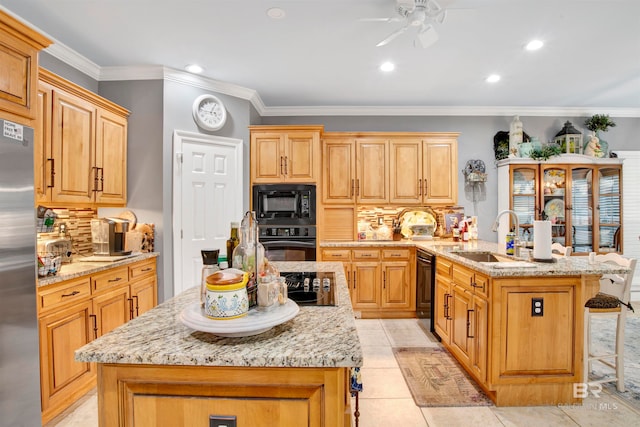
x=79, y=268
x=318, y=336
x=572, y=266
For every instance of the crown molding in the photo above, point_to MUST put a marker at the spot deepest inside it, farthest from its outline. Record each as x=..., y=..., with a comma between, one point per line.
x=157, y=72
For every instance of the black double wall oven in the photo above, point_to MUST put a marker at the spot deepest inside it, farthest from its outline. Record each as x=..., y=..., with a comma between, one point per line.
x=286, y=216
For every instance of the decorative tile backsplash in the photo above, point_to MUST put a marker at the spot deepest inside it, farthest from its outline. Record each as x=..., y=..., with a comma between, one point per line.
x=391, y=213
x=78, y=222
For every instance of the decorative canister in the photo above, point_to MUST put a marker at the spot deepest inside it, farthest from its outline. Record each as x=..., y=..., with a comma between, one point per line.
x=510, y=243
x=226, y=296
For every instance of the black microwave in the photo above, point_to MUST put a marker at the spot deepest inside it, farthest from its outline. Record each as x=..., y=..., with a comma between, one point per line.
x=285, y=204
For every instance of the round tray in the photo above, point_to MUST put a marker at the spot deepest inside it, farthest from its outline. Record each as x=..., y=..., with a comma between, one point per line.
x=255, y=322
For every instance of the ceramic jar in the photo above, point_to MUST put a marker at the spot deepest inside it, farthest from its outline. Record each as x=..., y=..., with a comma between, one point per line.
x=226, y=295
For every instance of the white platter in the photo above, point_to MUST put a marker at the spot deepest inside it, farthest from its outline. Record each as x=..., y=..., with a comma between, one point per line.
x=254, y=323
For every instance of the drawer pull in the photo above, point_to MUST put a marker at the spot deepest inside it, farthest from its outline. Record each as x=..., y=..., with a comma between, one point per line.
x=117, y=279
x=95, y=325
x=147, y=269
x=396, y=255
x=366, y=255
x=469, y=323
x=336, y=255
x=70, y=295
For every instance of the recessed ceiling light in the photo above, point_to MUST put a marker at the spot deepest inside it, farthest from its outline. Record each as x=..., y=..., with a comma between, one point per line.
x=276, y=13
x=194, y=68
x=387, y=66
x=534, y=45
x=493, y=78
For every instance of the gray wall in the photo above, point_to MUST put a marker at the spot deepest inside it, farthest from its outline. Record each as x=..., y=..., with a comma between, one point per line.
x=63, y=69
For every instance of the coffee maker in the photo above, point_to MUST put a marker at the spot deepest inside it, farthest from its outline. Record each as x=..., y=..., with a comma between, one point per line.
x=108, y=236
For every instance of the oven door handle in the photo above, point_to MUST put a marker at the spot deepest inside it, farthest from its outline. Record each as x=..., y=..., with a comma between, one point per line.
x=287, y=243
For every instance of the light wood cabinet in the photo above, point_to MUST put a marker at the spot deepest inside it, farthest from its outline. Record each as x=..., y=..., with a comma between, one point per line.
x=74, y=312
x=424, y=170
x=381, y=281
x=19, y=47
x=285, y=154
x=81, y=146
x=372, y=170
x=517, y=356
x=582, y=199
x=338, y=170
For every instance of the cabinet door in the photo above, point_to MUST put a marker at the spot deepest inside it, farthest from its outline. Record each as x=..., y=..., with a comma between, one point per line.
x=442, y=308
x=61, y=333
x=73, y=140
x=110, y=171
x=396, y=285
x=299, y=162
x=608, y=208
x=339, y=171
x=267, y=157
x=480, y=343
x=143, y=296
x=554, y=183
x=112, y=309
x=524, y=198
x=405, y=171
x=366, y=285
x=460, y=329
x=372, y=171
x=440, y=172
x=582, y=216
x=42, y=170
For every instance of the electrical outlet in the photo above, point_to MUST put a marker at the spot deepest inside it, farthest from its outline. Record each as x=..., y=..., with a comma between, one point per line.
x=537, y=307
x=222, y=421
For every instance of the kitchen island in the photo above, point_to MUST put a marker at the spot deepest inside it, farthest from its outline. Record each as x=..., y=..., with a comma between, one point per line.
x=155, y=371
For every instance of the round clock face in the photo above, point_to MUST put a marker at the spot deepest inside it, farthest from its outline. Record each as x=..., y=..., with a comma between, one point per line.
x=209, y=112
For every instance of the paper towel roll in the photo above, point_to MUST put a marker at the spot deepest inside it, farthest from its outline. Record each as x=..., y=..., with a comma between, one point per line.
x=542, y=240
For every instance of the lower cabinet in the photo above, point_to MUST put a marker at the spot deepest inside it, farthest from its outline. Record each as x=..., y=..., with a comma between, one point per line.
x=74, y=312
x=381, y=281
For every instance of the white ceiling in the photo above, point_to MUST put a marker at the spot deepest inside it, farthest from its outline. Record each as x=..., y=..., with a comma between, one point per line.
x=322, y=57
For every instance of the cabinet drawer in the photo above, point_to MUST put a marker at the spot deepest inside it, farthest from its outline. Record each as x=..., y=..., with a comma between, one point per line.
x=142, y=269
x=463, y=277
x=366, y=254
x=57, y=295
x=336, y=254
x=443, y=266
x=396, y=253
x=109, y=279
x=481, y=285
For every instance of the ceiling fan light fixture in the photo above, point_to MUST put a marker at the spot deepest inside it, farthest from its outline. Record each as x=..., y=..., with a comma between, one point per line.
x=194, y=68
x=534, y=45
x=387, y=66
x=276, y=13
x=493, y=78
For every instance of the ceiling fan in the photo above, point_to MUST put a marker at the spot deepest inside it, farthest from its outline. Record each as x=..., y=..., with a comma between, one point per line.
x=421, y=14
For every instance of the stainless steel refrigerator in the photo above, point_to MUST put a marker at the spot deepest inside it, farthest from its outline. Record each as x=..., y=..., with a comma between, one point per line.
x=19, y=355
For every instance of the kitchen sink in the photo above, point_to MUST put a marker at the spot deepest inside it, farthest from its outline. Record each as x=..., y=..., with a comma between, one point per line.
x=481, y=256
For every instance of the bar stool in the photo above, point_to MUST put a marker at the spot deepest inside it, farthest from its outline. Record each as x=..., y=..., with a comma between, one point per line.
x=557, y=250
x=615, y=291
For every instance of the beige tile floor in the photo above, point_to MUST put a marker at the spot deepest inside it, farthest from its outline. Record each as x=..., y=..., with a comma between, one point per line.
x=386, y=400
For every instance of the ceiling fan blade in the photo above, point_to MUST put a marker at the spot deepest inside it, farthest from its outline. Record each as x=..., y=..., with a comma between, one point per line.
x=380, y=19
x=426, y=37
x=393, y=35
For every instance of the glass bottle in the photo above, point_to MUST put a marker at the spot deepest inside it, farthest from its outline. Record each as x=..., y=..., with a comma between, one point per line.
x=209, y=266
x=249, y=254
x=232, y=243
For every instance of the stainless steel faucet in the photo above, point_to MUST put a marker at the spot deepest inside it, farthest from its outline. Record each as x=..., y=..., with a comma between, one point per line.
x=516, y=240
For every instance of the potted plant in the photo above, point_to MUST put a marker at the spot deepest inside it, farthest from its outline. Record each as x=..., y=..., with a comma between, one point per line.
x=596, y=124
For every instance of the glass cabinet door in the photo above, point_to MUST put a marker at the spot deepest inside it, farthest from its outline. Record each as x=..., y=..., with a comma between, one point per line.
x=582, y=216
x=608, y=208
x=554, y=183
x=524, y=183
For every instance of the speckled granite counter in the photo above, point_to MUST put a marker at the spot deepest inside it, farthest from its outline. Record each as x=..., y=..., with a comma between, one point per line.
x=317, y=336
x=572, y=266
x=79, y=268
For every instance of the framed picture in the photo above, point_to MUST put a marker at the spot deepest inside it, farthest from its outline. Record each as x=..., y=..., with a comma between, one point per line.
x=451, y=220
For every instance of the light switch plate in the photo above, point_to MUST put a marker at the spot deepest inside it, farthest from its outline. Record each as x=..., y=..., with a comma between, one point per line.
x=222, y=421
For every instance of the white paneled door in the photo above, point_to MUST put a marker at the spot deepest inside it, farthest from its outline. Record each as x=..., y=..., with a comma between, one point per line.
x=631, y=207
x=207, y=197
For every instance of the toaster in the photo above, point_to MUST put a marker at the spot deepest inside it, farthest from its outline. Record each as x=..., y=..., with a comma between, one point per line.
x=59, y=246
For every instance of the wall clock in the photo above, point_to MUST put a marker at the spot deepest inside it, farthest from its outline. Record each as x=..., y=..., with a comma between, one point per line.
x=209, y=112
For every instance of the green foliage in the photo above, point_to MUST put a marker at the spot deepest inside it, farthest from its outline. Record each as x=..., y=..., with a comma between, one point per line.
x=545, y=152
x=599, y=122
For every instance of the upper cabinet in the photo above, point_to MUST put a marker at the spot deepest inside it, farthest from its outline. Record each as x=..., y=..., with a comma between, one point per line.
x=19, y=46
x=81, y=146
x=583, y=201
x=285, y=154
x=392, y=168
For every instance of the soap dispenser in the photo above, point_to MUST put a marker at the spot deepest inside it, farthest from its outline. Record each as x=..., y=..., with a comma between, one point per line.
x=209, y=266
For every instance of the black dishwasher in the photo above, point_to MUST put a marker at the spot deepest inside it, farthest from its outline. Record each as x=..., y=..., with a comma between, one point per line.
x=425, y=281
